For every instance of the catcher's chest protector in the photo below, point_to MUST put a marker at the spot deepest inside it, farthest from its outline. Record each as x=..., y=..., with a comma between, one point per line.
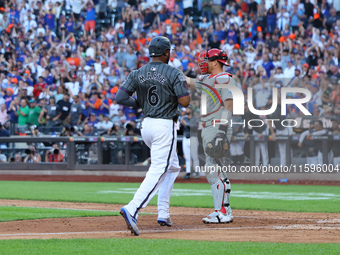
x=213, y=97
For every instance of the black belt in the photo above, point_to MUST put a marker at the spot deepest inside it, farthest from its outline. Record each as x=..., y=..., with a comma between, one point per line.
x=175, y=118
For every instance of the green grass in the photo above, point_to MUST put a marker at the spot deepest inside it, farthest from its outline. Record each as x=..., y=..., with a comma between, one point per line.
x=114, y=193
x=11, y=213
x=145, y=246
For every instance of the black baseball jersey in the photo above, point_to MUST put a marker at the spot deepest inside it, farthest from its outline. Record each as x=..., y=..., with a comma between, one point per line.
x=158, y=87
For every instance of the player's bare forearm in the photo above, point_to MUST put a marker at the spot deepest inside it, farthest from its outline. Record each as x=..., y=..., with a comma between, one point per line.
x=184, y=101
x=227, y=114
x=191, y=82
x=228, y=105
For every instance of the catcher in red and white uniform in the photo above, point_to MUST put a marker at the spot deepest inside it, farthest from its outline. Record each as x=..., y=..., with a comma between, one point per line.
x=215, y=135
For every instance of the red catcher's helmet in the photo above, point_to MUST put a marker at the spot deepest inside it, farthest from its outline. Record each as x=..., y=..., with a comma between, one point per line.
x=211, y=55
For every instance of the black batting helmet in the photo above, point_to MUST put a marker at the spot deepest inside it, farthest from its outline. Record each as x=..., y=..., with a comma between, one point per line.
x=158, y=45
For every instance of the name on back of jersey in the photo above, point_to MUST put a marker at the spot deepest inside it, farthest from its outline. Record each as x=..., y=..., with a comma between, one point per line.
x=152, y=76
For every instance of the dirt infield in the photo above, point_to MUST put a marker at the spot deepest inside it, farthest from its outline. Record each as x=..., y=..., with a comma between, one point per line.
x=259, y=226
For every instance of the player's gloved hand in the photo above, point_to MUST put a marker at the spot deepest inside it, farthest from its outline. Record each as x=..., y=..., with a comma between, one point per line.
x=217, y=148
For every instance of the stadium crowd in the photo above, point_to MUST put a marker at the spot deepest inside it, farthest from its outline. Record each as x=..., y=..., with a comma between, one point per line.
x=62, y=62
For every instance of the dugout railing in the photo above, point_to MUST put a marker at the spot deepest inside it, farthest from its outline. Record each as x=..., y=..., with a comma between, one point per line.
x=120, y=153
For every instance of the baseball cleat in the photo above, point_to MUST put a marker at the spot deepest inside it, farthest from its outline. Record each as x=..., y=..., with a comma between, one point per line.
x=231, y=217
x=218, y=218
x=164, y=222
x=131, y=222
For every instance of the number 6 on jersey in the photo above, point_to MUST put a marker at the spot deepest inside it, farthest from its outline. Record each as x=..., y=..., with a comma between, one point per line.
x=153, y=97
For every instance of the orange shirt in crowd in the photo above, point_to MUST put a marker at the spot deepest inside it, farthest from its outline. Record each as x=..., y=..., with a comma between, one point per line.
x=140, y=42
x=174, y=27
x=97, y=104
x=73, y=61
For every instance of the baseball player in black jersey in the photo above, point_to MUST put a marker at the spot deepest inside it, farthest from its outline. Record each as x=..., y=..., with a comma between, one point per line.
x=160, y=89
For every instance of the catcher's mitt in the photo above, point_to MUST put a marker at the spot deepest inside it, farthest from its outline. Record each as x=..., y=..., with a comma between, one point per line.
x=217, y=147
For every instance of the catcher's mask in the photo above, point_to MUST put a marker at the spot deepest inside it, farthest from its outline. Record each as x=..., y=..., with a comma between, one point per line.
x=211, y=55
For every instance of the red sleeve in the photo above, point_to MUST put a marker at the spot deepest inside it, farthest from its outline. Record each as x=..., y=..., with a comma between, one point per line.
x=61, y=158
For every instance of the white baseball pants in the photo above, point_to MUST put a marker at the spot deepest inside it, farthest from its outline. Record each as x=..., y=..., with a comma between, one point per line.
x=160, y=136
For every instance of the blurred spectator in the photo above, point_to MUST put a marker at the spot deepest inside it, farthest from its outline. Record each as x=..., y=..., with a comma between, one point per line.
x=17, y=159
x=91, y=121
x=39, y=87
x=120, y=55
x=106, y=102
x=113, y=110
x=90, y=20
x=295, y=80
x=4, y=116
x=216, y=7
x=131, y=116
x=267, y=64
x=319, y=130
x=50, y=114
x=95, y=103
x=3, y=133
x=296, y=16
x=131, y=129
x=316, y=99
x=215, y=42
x=76, y=111
x=77, y=6
x=65, y=107
x=3, y=158
x=103, y=122
x=282, y=18
x=88, y=131
x=130, y=60
x=32, y=155
x=66, y=131
x=22, y=114
x=115, y=130
x=206, y=10
x=8, y=96
x=310, y=146
x=12, y=110
x=34, y=113
x=54, y=154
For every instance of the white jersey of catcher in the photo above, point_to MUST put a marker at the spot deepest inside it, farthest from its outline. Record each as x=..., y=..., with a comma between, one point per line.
x=214, y=97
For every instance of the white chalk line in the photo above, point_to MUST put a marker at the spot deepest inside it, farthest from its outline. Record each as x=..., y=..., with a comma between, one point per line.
x=141, y=231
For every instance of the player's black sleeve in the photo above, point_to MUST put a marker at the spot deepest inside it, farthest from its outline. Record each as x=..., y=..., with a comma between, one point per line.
x=129, y=86
x=126, y=90
x=180, y=85
x=124, y=98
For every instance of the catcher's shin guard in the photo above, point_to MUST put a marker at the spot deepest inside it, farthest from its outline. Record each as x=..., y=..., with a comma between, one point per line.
x=226, y=202
x=227, y=185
